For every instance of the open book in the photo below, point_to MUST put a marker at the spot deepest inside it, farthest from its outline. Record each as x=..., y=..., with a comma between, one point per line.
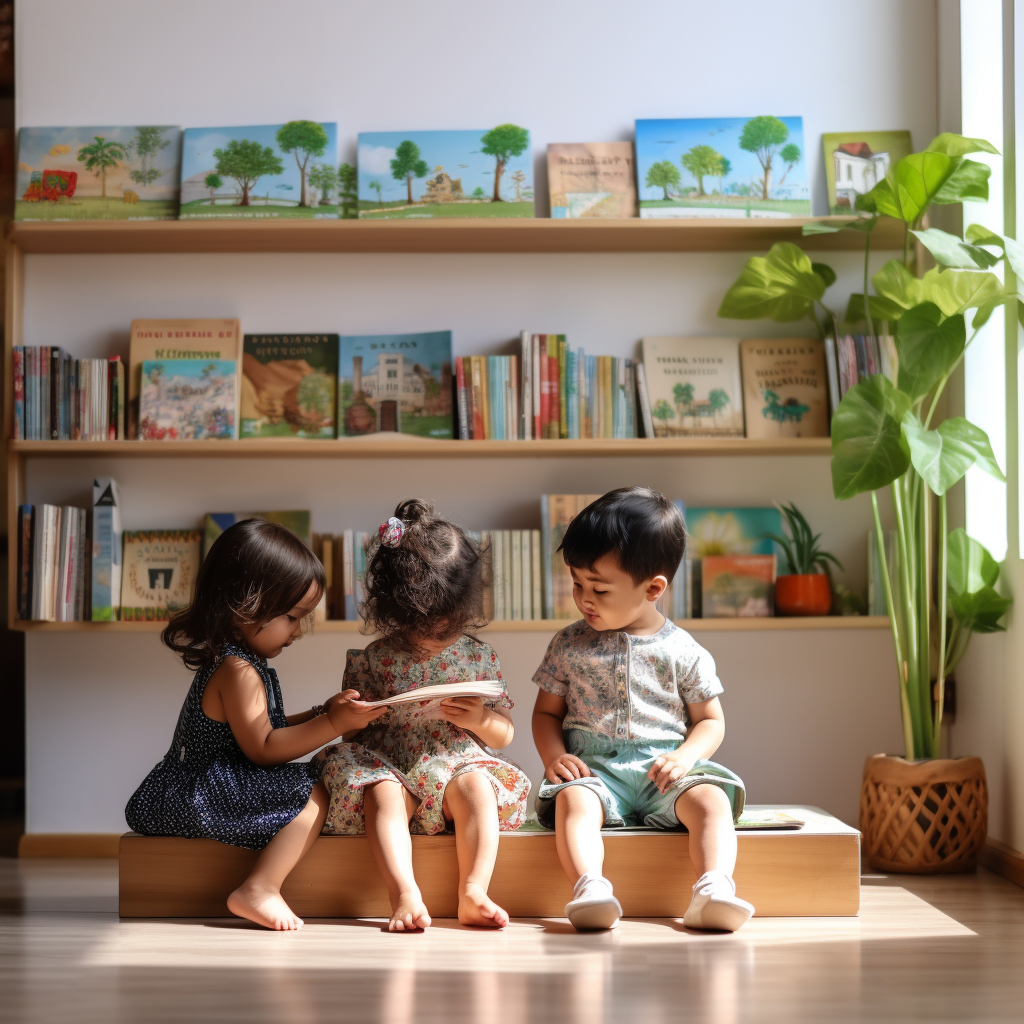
x=767, y=819
x=489, y=689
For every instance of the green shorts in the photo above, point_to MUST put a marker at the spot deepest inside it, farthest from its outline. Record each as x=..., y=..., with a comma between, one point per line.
x=620, y=781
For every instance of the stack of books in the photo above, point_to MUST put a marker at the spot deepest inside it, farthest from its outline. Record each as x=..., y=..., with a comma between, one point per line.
x=52, y=568
x=851, y=358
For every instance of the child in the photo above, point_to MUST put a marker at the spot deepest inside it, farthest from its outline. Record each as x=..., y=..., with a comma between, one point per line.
x=227, y=774
x=424, y=768
x=628, y=715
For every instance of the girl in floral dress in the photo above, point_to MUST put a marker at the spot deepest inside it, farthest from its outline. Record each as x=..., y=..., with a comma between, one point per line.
x=424, y=767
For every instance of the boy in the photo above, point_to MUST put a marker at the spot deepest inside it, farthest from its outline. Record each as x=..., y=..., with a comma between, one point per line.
x=628, y=715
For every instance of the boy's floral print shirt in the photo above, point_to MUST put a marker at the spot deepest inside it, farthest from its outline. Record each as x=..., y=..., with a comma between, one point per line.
x=628, y=687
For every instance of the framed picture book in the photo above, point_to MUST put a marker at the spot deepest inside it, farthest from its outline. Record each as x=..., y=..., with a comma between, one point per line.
x=592, y=180
x=855, y=162
x=160, y=568
x=785, y=387
x=188, y=400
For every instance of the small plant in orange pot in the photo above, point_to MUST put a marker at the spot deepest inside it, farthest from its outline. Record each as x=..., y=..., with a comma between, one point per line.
x=805, y=588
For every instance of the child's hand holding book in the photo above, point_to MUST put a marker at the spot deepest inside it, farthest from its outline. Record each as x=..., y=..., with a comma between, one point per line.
x=349, y=714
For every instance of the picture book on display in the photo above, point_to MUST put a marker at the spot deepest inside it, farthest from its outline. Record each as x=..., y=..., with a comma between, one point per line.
x=693, y=386
x=592, y=179
x=486, y=173
x=111, y=173
x=160, y=568
x=260, y=172
x=737, y=586
x=722, y=167
x=188, y=400
x=106, y=550
x=396, y=382
x=785, y=387
x=289, y=385
x=217, y=522
x=855, y=162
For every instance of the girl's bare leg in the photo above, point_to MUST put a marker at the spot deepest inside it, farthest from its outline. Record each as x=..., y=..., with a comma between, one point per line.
x=469, y=802
x=387, y=807
x=578, y=820
x=258, y=898
x=707, y=814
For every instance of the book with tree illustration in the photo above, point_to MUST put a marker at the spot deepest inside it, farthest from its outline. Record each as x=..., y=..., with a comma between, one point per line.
x=289, y=385
x=693, y=385
x=737, y=586
x=112, y=173
x=299, y=522
x=188, y=400
x=260, y=172
x=396, y=382
x=785, y=387
x=487, y=173
x=592, y=179
x=160, y=568
x=722, y=167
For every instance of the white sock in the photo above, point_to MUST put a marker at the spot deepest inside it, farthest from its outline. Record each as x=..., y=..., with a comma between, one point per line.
x=586, y=881
x=719, y=881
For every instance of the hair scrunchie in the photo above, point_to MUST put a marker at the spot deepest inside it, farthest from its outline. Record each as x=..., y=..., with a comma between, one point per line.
x=391, y=532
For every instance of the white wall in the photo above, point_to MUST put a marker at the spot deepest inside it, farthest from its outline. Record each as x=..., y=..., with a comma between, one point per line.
x=804, y=708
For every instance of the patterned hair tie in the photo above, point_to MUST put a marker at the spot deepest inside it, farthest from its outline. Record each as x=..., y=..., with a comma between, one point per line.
x=391, y=532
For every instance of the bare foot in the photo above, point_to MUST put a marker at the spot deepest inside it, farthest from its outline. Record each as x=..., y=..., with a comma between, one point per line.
x=478, y=910
x=410, y=915
x=264, y=907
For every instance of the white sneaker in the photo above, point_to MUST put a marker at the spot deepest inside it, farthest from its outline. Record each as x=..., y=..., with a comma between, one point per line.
x=715, y=905
x=593, y=906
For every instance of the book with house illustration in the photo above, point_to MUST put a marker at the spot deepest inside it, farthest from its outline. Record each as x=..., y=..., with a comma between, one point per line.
x=298, y=522
x=737, y=586
x=785, y=387
x=260, y=172
x=160, y=568
x=486, y=173
x=592, y=179
x=722, y=167
x=188, y=400
x=98, y=173
x=396, y=382
x=289, y=385
x=857, y=161
x=693, y=385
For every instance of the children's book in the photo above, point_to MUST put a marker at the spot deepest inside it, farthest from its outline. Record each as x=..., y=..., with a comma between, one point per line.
x=106, y=550
x=110, y=173
x=722, y=167
x=592, y=179
x=855, y=162
x=396, y=382
x=188, y=400
x=489, y=689
x=260, y=172
x=785, y=387
x=426, y=174
x=693, y=386
x=298, y=522
x=556, y=512
x=289, y=385
x=751, y=820
x=737, y=586
x=160, y=568
x=176, y=339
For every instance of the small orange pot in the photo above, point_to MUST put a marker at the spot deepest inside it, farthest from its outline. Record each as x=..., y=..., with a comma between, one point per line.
x=803, y=595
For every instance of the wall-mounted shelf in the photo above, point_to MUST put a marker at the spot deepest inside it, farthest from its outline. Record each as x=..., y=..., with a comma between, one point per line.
x=435, y=236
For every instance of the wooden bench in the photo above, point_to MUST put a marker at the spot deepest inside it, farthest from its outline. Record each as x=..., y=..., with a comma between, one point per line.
x=812, y=872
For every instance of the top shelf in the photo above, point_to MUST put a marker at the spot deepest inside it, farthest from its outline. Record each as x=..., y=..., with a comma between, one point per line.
x=436, y=236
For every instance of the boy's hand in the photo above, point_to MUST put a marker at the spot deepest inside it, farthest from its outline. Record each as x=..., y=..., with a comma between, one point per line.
x=348, y=714
x=565, y=768
x=465, y=712
x=669, y=767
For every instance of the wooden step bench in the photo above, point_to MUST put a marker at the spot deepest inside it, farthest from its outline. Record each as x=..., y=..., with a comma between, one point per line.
x=813, y=872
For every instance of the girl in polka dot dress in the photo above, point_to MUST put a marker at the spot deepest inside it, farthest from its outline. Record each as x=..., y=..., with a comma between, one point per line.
x=426, y=767
x=227, y=775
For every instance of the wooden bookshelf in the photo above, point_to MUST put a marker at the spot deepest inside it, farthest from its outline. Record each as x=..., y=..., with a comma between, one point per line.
x=536, y=235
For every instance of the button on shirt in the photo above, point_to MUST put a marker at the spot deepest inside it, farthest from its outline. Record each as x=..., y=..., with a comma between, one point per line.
x=628, y=687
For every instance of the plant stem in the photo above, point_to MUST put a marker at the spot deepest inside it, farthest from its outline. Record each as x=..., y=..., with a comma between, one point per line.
x=940, y=697
x=867, y=300
x=906, y=245
x=912, y=664
x=922, y=540
x=944, y=380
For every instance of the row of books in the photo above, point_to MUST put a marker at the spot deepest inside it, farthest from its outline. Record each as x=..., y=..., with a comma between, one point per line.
x=851, y=358
x=60, y=398
x=52, y=563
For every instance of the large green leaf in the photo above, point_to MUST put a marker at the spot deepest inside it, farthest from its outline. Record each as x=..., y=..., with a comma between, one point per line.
x=951, y=144
x=969, y=566
x=951, y=251
x=880, y=200
x=781, y=285
x=928, y=345
x=825, y=272
x=952, y=293
x=977, y=234
x=868, y=447
x=968, y=182
x=919, y=178
x=981, y=611
x=881, y=309
x=959, y=431
x=943, y=456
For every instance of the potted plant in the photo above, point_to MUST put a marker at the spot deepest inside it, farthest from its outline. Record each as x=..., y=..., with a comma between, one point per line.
x=919, y=813
x=806, y=586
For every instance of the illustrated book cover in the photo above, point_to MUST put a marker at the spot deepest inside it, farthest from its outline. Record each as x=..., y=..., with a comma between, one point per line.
x=188, y=400
x=396, y=382
x=289, y=385
x=298, y=522
x=693, y=385
x=160, y=569
x=106, y=550
x=737, y=586
x=117, y=173
x=855, y=162
x=785, y=387
x=428, y=174
x=260, y=172
x=722, y=167
x=592, y=179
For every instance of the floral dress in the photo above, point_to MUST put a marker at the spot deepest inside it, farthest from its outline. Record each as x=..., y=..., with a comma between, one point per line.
x=414, y=746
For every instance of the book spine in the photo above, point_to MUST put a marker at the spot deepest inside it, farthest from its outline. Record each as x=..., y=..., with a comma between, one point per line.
x=545, y=385
x=545, y=530
x=536, y=576
x=609, y=398
x=66, y=364
x=536, y=386
x=460, y=392
x=555, y=387
x=563, y=389
x=515, y=414
x=52, y=566
x=844, y=382
x=111, y=418
x=508, y=567
x=498, y=575
x=487, y=573
x=631, y=430
x=24, y=568
x=477, y=399
x=38, y=545
x=30, y=405
x=121, y=399
x=525, y=387
x=101, y=401
x=516, y=545
x=18, y=367
x=53, y=393
x=527, y=575
x=487, y=375
x=348, y=541
x=832, y=370
x=679, y=590
x=645, y=401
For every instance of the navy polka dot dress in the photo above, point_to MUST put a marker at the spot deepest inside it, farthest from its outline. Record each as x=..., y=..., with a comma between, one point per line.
x=206, y=788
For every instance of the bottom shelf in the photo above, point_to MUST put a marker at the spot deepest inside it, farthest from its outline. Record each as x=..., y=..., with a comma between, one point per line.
x=538, y=626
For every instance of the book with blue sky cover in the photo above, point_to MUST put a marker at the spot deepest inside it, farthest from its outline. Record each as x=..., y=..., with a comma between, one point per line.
x=722, y=167
x=486, y=173
x=188, y=399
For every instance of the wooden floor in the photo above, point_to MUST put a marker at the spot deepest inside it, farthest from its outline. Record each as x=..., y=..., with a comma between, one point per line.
x=936, y=949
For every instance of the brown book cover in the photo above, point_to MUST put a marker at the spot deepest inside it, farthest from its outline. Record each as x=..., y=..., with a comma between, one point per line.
x=160, y=568
x=737, y=586
x=592, y=180
x=785, y=387
x=561, y=510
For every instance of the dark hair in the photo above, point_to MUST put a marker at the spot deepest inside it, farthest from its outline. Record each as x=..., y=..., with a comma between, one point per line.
x=253, y=572
x=430, y=587
x=642, y=527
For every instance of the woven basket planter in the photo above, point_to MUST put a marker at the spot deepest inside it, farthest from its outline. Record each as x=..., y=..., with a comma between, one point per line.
x=923, y=817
